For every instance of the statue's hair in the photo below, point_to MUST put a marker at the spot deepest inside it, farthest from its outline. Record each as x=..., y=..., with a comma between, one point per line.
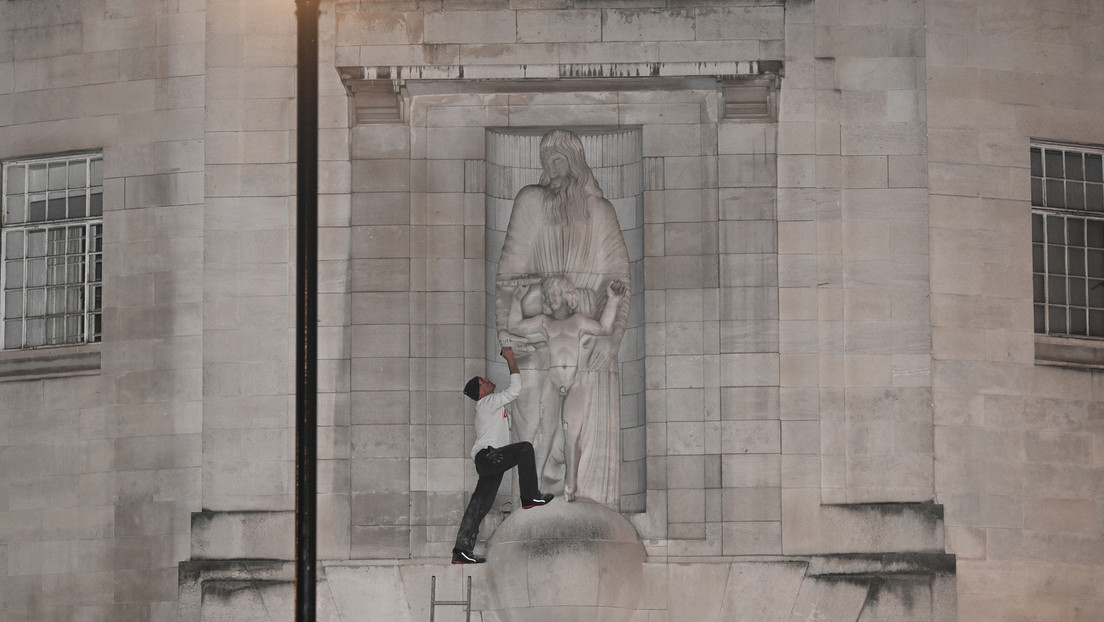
x=562, y=283
x=556, y=281
x=580, y=183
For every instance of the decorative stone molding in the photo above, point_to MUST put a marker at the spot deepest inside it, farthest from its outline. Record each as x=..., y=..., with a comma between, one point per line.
x=749, y=88
x=376, y=101
x=750, y=98
x=561, y=70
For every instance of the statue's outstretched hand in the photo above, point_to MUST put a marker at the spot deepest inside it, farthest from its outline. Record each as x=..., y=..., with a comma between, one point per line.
x=517, y=342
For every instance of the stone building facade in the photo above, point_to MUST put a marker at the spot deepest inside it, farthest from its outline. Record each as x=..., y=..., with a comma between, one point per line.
x=836, y=386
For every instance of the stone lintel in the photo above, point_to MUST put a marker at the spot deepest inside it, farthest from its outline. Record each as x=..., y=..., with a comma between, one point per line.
x=749, y=88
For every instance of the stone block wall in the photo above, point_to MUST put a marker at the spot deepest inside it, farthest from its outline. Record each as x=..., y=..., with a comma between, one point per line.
x=248, y=242
x=586, y=33
x=249, y=279
x=100, y=445
x=821, y=287
x=1018, y=443
x=854, y=266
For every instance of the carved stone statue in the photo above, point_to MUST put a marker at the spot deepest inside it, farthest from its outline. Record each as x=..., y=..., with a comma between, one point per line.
x=564, y=241
x=562, y=329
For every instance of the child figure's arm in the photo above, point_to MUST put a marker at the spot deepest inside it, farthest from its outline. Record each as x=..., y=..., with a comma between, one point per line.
x=615, y=293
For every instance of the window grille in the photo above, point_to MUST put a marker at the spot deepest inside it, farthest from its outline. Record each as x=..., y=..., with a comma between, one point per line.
x=52, y=247
x=1067, y=222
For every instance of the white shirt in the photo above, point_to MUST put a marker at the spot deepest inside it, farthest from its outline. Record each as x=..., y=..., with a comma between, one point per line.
x=492, y=423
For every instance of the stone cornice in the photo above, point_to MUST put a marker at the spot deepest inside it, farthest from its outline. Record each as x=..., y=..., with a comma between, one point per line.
x=379, y=91
x=561, y=70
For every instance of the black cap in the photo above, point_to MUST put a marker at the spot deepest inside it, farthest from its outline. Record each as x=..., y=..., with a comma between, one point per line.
x=472, y=388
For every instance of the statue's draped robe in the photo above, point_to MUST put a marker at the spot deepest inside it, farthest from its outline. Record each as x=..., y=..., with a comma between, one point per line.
x=591, y=253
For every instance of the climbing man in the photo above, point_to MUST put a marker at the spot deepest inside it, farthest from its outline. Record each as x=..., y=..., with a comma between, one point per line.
x=494, y=454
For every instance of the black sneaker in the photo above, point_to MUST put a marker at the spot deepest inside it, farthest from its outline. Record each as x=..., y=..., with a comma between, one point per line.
x=544, y=500
x=466, y=557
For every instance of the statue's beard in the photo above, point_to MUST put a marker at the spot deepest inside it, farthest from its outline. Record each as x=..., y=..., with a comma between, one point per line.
x=556, y=200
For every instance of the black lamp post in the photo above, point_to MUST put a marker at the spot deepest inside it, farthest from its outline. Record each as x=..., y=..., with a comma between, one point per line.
x=306, y=314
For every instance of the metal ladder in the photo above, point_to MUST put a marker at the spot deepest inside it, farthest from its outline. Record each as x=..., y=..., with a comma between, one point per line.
x=433, y=602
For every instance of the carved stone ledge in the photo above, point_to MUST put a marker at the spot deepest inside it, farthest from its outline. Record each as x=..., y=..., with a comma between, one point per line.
x=1070, y=352
x=20, y=365
x=749, y=88
x=560, y=70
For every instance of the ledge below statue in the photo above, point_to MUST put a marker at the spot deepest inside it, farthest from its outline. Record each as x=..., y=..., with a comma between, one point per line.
x=565, y=562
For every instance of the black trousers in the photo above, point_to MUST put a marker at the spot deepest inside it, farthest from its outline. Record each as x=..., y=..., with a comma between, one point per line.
x=491, y=463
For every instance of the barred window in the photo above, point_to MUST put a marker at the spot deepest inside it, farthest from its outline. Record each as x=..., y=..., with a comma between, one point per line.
x=1067, y=223
x=52, y=247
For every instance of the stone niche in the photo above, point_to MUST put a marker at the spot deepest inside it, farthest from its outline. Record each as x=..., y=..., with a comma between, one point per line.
x=652, y=143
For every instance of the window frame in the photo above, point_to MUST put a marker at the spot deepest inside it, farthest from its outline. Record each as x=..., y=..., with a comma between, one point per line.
x=83, y=252
x=1069, y=349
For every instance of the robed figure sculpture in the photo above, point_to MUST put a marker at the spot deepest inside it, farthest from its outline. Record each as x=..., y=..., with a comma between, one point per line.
x=562, y=303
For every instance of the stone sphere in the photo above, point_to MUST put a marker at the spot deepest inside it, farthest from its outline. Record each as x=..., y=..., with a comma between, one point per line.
x=565, y=562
